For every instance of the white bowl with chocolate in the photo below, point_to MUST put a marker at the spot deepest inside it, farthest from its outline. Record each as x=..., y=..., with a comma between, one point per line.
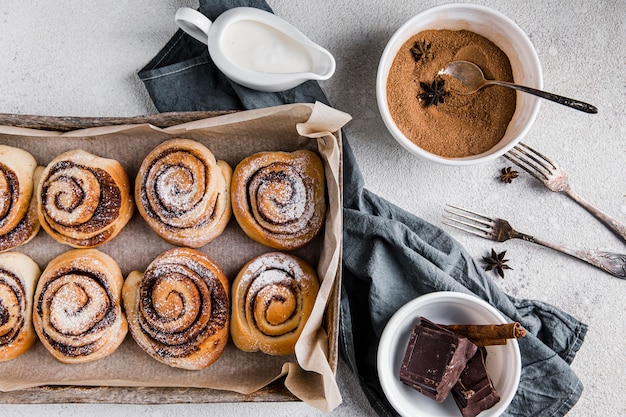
x=429, y=337
x=426, y=112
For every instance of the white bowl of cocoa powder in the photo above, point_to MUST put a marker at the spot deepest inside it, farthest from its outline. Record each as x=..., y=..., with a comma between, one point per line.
x=453, y=128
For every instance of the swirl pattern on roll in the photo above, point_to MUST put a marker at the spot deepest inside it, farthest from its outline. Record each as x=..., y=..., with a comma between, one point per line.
x=77, y=306
x=178, y=309
x=84, y=200
x=183, y=193
x=18, y=205
x=273, y=296
x=278, y=198
x=18, y=277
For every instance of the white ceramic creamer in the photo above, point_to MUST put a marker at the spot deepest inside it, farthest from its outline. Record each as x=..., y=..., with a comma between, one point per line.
x=258, y=49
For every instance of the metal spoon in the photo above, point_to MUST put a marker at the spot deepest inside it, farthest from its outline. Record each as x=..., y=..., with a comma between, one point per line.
x=471, y=76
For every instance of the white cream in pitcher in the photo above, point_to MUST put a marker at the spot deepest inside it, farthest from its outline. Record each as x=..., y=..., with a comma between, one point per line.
x=259, y=47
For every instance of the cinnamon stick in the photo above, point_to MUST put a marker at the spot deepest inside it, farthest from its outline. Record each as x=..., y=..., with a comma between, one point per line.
x=488, y=334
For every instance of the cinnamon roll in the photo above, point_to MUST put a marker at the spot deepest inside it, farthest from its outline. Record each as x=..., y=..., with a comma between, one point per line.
x=178, y=309
x=278, y=198
x=273, y=296
x=77, y=310
x=18, y=277
x=183, y=193
x=84, y=200
x=18, y=204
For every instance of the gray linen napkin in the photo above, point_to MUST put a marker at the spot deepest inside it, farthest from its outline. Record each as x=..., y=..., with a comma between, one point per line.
x=389, y=256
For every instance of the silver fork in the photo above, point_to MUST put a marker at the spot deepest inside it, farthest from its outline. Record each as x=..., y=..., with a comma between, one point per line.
x=555, y=178
x=500, y=230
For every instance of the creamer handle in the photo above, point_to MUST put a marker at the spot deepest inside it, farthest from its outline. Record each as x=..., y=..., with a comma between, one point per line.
x=193, y=23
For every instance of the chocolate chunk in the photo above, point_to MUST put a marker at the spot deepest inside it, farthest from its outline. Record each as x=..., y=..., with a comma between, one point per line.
x=434, y=359
x=474, y=391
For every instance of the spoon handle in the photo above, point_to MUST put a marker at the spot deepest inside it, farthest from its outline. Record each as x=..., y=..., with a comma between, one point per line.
x=575, y=104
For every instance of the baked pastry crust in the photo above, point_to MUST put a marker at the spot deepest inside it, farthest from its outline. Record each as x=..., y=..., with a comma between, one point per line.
x=178, y=309
x=183, y=193
x=272, y=296
x=18, y=203
x=84, y=200
x=278, y=198
x=77, y=310
x=18, y=278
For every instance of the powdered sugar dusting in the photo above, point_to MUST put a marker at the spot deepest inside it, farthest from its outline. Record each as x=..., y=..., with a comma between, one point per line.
x=183, y=309
x=272, y=299
x=184, y=193
x=13, y=304
x=178, y=189
x=284, y=195
x=77, y=306
x=82, y=204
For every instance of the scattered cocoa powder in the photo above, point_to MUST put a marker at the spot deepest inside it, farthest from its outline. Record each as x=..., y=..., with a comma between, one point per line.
x=462, y=125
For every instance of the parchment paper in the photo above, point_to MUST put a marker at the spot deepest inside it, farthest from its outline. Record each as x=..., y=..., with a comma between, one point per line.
x=309, y=375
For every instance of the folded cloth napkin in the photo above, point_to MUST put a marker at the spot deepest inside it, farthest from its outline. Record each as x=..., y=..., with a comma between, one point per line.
x=390, y=256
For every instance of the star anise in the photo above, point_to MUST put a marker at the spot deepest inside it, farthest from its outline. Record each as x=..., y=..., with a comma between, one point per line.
x=508, y=174
x=421, y=51
x=433, y=93
x=496, y=262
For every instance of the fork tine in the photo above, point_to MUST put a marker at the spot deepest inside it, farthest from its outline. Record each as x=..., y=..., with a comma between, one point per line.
x=480, y=224
x=531, y=161
x=535, y=157
x=480, y=233
x=534, y=151
x=483, y=216
x=533, y=170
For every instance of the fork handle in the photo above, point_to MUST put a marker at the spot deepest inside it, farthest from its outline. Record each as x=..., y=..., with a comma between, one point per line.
x=611, y=262
x=617, y=227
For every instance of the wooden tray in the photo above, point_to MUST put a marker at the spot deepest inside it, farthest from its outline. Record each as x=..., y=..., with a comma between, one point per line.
x=274, y=392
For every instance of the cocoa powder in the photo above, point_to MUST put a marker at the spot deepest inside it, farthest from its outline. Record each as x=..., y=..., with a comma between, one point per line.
x=462, y=125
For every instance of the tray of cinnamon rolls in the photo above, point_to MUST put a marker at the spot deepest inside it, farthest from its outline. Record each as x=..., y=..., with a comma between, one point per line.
x=202, y=257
